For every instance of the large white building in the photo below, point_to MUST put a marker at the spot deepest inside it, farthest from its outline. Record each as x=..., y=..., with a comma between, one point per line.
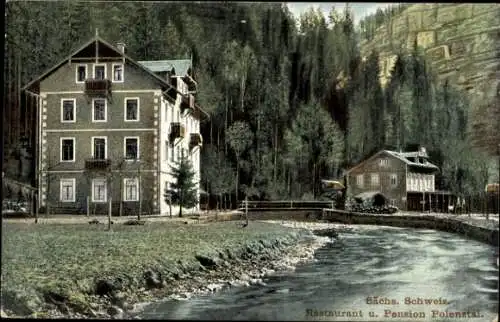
x=177, y=112
x=110, y=128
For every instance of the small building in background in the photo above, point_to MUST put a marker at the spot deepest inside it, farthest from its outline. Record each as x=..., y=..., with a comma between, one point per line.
x=407, y=179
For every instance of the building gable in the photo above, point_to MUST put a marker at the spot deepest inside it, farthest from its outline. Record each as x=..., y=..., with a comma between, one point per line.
x=400, y=157
x=103, y=51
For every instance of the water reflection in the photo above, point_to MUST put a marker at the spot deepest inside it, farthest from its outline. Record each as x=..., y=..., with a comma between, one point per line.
x=402, y=267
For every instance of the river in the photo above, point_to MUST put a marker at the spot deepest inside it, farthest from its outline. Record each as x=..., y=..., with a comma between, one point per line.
x=372, y=273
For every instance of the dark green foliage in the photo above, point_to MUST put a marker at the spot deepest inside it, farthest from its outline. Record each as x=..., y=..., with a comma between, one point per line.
x=183, y=191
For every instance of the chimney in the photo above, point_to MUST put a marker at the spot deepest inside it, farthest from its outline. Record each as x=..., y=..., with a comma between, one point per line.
x=121, y=47
x=422, y=152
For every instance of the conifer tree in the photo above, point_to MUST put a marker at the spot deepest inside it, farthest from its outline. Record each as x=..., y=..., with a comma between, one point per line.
x=183, y=191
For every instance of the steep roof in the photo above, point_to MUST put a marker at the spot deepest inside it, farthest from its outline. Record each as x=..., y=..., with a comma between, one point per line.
x=180, y=66
x=404, y=157
x=102, y=42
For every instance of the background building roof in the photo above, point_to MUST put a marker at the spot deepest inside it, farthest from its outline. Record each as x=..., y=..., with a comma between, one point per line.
x=181, y=66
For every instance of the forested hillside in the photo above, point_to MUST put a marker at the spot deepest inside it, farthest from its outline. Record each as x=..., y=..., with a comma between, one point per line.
x=289, y=103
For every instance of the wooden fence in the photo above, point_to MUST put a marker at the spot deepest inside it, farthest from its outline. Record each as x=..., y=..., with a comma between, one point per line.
x=284, y=205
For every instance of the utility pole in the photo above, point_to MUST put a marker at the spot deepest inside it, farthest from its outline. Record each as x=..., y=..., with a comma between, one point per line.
x=120, y=175
x=110, y=196
x=140, y=189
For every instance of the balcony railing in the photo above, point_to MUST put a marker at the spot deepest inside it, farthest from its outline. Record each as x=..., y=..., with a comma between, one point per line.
x=187, y=103
x=195, y=140
x=177, y=130
x=97, y=86
x=97, y=164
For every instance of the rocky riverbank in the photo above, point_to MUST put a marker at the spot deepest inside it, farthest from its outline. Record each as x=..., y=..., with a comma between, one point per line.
x=242, y=272
x=122, y=293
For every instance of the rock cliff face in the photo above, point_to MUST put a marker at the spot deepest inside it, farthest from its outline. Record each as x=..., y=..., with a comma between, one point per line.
x=462, y=42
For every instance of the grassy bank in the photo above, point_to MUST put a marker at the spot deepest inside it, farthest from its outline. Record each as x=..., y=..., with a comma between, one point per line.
x=62, y=267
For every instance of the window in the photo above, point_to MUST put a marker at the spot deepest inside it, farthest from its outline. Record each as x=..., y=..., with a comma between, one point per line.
x=131, y=189
x=99, y=148
x=67, y=190
x=67, y=149
x=394, y=180
x=81, y=73
x=384, y=162
x=68, y=110
x=99, y=71
x=99, y=110
x=99, y=190
x=359, y=180
x=375, y=179
x=117, y=73
x=132, y=109
x=131, y=148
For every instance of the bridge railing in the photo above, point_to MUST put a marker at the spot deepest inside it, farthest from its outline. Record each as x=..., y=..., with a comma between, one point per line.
x=285, y=204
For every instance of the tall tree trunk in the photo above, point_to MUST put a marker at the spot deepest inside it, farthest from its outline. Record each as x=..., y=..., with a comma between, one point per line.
x=289, y=182
x=218, y=139
x=18, y=96
x=237, y=177
x=226, y=121
x=10, y=125
x=242, y=94
x=211, y=131
x=180, y=204
x=275, y=172
x=314, y=179
x=120, y=199
x=258, y=142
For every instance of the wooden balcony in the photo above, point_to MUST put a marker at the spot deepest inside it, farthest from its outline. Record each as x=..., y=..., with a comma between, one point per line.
x=97, y=86
x=195, y=140
x=177, y=130
x=187, y=103
x=97, y=164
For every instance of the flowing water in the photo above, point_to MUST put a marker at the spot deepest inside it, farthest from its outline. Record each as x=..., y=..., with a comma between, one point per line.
x=372, y=273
